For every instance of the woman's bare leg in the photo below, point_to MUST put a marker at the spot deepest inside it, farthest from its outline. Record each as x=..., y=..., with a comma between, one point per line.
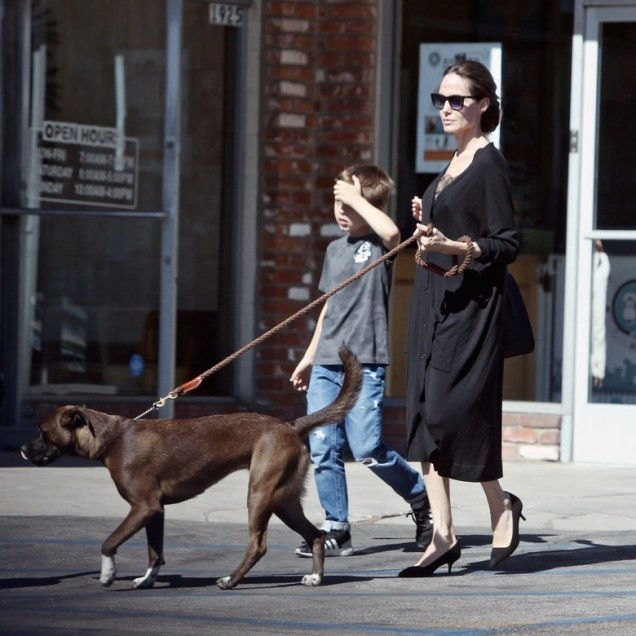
x=500, y=513
x=438, y=491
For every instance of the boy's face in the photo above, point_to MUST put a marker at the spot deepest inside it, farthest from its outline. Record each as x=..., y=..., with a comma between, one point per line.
x=349, y=220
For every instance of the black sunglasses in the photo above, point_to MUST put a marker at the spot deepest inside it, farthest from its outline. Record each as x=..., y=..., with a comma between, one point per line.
x=456, y=101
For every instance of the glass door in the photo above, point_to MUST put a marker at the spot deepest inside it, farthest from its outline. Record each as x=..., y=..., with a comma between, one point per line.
x=603, y=341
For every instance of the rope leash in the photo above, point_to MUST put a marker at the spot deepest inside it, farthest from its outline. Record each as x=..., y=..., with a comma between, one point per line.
x=195, y=382
x=456, y=268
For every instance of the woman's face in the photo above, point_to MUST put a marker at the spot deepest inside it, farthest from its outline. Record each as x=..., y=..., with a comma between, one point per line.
x=466, y=120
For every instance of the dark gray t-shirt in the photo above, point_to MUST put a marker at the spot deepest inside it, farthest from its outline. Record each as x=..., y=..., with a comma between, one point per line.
x=358, y=314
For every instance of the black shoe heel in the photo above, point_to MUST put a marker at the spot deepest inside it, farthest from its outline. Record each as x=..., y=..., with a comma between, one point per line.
x=497, y=555
x=419, y=571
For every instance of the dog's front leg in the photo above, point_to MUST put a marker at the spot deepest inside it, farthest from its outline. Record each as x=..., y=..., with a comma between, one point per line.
x=154, y=535
x=134, y=521
x=148, y=579
x=108, y=572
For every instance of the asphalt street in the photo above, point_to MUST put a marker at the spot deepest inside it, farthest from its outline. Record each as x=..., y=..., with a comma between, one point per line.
x=574, y=571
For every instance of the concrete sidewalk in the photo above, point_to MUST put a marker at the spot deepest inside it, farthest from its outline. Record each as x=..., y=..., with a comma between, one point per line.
x=556, y=497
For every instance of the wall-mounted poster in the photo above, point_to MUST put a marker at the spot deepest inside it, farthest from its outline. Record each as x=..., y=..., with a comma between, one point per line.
x=435, y=148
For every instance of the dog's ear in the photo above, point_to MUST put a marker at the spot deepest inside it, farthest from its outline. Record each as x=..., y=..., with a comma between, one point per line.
x=74, y=418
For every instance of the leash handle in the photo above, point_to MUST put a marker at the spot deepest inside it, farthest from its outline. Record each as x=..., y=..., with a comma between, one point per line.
x=456, y=268
x=194, y=383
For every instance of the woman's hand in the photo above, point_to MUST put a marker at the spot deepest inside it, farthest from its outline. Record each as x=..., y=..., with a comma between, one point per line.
x=416, y=208
x=430, y=239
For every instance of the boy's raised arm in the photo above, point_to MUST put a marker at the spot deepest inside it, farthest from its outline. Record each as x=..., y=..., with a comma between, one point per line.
x=381, y=223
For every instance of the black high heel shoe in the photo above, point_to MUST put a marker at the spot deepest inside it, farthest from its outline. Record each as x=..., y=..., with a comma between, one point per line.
x=449, y=557
x=497, y=555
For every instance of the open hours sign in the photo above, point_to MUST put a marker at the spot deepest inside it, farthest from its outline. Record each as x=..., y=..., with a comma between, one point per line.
x=85, y=165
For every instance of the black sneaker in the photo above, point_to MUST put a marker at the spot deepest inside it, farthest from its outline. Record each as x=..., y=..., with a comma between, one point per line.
x=423, y=525
x=337, y=543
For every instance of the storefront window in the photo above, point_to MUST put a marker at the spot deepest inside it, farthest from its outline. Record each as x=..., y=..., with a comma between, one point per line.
x=93, y=173
x=97, y=288
x=96, y=105
x=536, y=40
x=93, y=151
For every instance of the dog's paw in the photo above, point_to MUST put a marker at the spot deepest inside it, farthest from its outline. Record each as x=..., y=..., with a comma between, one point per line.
x=311, y=580
x=108, y=573
x=146, y=581
x=224, y=583
x=143, y=583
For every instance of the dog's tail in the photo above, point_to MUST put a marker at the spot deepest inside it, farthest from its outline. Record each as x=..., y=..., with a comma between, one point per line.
x=345, y=401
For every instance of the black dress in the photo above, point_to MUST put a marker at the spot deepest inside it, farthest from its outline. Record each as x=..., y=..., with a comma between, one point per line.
x=454, y=346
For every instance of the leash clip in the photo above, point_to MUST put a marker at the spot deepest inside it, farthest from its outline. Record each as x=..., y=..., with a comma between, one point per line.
x=173, y=395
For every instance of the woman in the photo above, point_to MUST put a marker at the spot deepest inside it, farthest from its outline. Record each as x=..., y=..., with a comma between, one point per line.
x=454, y=344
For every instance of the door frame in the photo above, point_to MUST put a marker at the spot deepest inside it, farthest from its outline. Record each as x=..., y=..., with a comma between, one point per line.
x=578, y=443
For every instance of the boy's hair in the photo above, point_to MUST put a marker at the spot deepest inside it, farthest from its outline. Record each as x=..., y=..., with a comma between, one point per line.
x=376, y=184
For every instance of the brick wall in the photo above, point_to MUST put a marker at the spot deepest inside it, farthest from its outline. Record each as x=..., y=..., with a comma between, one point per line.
x=531, y=436
x=317, y=117
x=525, y=436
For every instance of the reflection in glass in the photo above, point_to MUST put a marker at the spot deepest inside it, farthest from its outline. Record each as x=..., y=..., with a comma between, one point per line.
x=95, y=144
x=535, y=96
x=96, y=105
x=613, y=323
x=206, y=207
x=96, y=293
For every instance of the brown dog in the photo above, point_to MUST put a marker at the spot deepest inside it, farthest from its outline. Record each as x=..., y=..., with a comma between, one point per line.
x=159, y=462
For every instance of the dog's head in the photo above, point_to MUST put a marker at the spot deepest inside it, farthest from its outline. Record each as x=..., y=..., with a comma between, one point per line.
x=66, y=431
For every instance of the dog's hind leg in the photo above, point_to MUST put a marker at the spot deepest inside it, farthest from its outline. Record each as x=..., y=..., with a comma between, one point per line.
x=291, y=513
x=154, y=536
x=259, y=510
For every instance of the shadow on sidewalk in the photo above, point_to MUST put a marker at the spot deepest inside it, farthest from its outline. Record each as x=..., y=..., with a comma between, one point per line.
x=521, y=562
x=41, y=581
x=545, y=560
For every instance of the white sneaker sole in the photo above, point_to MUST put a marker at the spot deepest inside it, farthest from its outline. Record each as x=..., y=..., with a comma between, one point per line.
x=341, y=552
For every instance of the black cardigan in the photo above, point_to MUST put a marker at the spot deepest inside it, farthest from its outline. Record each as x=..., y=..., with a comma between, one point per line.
x=454, y=345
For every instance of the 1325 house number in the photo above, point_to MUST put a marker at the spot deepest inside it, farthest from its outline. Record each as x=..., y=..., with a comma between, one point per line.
x=227, y=14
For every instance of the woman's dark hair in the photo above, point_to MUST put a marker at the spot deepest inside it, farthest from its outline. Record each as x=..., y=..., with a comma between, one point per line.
x=482, y=85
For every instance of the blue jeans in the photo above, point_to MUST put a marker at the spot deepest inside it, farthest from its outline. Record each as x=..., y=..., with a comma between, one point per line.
x=362, y=430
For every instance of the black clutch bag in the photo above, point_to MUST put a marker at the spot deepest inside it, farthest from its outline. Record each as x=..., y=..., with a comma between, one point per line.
x=517, y=331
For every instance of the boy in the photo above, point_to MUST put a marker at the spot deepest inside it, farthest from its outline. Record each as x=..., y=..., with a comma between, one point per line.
x=356, y=316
